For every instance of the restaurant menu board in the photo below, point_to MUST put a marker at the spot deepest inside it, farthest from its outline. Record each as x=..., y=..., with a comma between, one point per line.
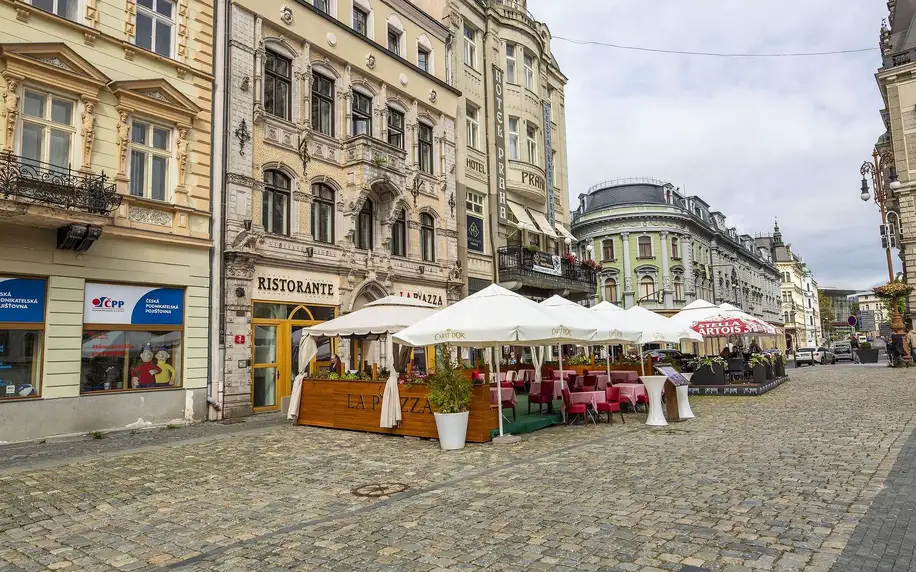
x=673, y=375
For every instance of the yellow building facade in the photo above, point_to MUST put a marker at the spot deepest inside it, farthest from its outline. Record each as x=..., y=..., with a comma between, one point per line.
x=340, y=181
x=105, y=203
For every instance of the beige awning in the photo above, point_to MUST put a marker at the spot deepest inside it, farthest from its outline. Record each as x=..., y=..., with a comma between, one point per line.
x=566, y=234
x=541, y=221
x=524, y=221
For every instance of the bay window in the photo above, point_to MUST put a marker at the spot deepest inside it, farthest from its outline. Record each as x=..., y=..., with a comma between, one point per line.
x=395, y=128
x=511, y=76
x=529, y=71
x=513, y=138
x=532, y=133
x=362, y=114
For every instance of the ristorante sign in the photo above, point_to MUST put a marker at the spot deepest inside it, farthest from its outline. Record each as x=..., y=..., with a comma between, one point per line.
x=288, y=285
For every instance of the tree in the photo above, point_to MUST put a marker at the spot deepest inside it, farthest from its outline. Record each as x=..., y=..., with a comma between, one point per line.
x=827, y=315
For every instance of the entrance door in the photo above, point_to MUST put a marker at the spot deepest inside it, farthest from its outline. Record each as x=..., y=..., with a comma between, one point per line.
x=265, y=366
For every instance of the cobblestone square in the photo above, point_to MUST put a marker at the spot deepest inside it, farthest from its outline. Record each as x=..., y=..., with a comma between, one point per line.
x=792, y=480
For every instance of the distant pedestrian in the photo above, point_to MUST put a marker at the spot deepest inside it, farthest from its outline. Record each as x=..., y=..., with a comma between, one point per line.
x=911, y=340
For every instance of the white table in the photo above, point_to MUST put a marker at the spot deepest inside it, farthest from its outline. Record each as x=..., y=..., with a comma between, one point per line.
x=683, y=405
x=655, y=384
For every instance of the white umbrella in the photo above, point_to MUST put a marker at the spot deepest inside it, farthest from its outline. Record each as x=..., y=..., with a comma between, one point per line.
x=382, y=317
x=494, y=317
x=656, y=328
x=614, y=315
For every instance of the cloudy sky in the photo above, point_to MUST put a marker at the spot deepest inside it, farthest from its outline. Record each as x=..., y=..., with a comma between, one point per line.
x=756, y=138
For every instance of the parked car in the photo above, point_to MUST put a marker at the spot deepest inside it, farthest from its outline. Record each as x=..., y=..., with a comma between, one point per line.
x=842, y=350
x=863, y=339
x=811, y=356
x=668, y=356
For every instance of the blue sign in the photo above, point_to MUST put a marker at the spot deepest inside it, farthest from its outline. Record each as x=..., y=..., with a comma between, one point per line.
x=135, y=305
x=22, y=300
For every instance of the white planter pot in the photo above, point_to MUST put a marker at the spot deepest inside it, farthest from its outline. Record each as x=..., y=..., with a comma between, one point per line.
x=453, y=430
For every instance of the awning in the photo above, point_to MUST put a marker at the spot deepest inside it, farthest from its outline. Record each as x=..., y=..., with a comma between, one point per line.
x=566, y=234
x=524, y=221
x=541, y=221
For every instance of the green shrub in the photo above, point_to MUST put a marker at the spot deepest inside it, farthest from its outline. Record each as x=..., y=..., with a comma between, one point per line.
x=865, y=346
x=449, y=390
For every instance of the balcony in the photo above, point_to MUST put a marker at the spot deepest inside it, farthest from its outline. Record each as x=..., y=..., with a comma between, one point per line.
x=375, y=161
x=39, y=184
x=520, y=268
x=527, y=180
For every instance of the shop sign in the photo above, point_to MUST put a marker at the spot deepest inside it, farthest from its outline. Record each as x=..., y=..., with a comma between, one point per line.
x=22, y=300
x=432, y=296
x=547, y=264
x=533, y=180
x=137, y=305
x=548, y=153
x=502, y=200
x=374, y=402
x=287, y=285
x=476, y=166
x=475, y=233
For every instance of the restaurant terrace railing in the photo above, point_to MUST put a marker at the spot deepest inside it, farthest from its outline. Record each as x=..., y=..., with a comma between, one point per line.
x=49, y=185
x=546, y=270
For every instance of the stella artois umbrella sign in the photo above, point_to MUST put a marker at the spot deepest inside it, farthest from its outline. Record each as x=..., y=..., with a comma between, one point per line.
x=719, y=326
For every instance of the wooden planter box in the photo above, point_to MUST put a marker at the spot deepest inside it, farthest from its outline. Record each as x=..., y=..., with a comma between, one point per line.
x=357, y=405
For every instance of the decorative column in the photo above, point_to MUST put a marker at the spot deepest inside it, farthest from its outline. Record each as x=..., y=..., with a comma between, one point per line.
x=259, y=54
x=10, y=111
x=628, y=301
x=667, y=291
x=690, y=290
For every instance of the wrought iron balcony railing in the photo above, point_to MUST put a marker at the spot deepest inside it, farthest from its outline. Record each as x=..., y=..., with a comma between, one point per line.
x=49, y=185
x=545, y=270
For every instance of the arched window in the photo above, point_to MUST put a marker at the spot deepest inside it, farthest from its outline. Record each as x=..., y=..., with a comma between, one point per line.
x=646, y=287
x=427, y=238
x=607, y=249
x=610, y=291
x=678, y=287
x=425, y=148
x=399, y=235
x=645, y=246
x=323, y=213
x=277, y=85
x=275, y=203
x=364, y=237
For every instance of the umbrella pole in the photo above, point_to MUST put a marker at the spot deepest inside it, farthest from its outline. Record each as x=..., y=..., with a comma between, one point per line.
x=642, y=360
x=563, y=382
x=609, y=363
x=499, y=390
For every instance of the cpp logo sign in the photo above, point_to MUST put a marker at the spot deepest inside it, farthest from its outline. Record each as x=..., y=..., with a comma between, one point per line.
x=105, y=303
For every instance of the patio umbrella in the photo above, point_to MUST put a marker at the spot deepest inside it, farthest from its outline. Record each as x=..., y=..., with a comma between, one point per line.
x=730, y=323
x=382, y=317
x=656, y=328
x=607, y=311
x=494, y=317
x=608, y=330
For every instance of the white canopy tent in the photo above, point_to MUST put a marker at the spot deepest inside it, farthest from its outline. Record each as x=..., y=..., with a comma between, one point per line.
x=657, y=329
x=495, y=317
x=381, y=318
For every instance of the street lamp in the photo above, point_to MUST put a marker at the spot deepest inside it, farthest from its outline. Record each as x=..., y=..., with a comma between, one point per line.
x=876, y=168
x=589, y=249
x=568, y=244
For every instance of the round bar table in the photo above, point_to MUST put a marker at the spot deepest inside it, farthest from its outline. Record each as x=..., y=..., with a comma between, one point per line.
x=683, y=406
x=654, y=386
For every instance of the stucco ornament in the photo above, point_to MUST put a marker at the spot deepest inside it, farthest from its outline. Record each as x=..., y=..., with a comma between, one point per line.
x=10, y=111
x=433, y=95
x=123, y=141
x=87, y=130
x=332, y=39
x=370, y=62
x=286, y=15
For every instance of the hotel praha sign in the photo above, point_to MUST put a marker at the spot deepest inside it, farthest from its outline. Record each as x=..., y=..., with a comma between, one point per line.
x=499, y=140
x=548, y=152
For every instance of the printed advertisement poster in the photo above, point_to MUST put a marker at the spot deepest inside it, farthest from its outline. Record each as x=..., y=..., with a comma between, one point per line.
x=135, y=305
x=22, y=300
x=547, y=263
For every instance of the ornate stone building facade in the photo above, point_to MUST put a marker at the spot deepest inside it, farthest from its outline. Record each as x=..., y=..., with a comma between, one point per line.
x=340, y=184
x=662, y=250
x=105, y=209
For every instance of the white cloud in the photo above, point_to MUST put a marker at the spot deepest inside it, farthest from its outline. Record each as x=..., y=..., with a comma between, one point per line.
x=756, y=138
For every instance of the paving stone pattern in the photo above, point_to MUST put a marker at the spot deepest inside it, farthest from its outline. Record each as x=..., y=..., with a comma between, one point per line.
x=777, y=482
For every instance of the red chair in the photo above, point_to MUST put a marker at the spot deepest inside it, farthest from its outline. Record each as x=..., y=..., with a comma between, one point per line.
x=590, y=383
x=545, y=396
x=519, y=382
x=644, y=399
x=548, y=373
x=612, y=405
x=576, y=409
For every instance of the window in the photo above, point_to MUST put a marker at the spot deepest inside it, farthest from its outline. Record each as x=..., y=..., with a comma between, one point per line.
x=395, y=128
x=275, y=203
x=394, y=41
x=149, y=160
x=511, y=76
x=277, y=85
x=399, y=235
x=532, y=133
x=534, y=240
x=473, y=125
x=675, y=253
x=425, y=148
x=678, y=288
x=323, y=6
x=21, y=335
x=362, y=114
x=529, y=71
x=64, y=8
x=645, y=246
x=474, y=203
x=154, y=26
x=323, y=213
x=47, y=129
x=470, y=47
x=646, y=287
x=513, y=138
x=427, y=238
x=423, y=59
x=364, y=230
x=322, y=105
x=610, y=291
x=607, y=249
x=115, y=360
x=360, y=21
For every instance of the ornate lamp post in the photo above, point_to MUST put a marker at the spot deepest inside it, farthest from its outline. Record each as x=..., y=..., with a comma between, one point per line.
x=876, y=168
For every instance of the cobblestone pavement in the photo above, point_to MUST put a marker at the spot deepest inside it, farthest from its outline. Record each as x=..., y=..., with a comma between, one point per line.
x=778, y=482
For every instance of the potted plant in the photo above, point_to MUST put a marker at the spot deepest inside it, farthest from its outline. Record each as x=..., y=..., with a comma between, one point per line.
x=450, y=394
x=868, y=354
x=780, y=364
x=759, y=363
x=769, y=367
x=706, y=373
